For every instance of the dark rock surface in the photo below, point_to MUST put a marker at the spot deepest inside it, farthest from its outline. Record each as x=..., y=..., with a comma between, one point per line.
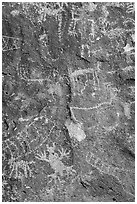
x=68, y=65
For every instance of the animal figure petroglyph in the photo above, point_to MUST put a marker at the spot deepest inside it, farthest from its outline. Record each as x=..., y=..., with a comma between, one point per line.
x=56, y=163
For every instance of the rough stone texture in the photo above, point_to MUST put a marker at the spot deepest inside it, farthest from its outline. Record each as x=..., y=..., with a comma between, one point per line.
x=68, y=63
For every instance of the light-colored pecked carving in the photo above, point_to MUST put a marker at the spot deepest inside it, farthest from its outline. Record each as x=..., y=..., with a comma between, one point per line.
x=95, y=161
x=55, y=161
x=22, y=165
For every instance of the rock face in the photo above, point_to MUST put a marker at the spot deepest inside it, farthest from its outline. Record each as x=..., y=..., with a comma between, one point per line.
x=68, y=102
